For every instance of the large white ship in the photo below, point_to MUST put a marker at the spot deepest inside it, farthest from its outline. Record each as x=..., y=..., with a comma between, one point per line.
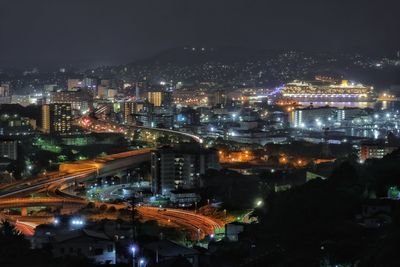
x=324, y=91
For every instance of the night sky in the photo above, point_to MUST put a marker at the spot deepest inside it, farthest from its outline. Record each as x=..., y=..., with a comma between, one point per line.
x=50, y=33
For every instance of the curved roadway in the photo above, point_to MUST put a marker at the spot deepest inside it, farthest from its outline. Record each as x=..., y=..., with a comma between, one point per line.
x=101, y=126
x=198, y=225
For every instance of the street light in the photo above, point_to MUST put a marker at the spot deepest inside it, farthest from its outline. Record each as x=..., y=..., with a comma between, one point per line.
x=141, y=262
x=133, y=250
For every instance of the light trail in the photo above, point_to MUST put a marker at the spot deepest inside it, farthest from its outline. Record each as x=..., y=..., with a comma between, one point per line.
x=26, y=228
x=98, y=126
x=198, y=225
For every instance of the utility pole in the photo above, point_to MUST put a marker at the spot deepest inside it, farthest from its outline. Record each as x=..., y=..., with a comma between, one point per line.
x=134, y=239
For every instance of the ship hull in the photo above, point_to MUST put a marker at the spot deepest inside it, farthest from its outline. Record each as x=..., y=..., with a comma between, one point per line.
x=314, y=98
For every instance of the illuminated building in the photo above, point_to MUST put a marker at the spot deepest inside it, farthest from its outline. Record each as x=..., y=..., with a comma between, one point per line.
x=24, y=100
x=8, y=149
x=184, y=197
x=13, y=124
x=56, y=118
x=218, y=98
x=81, y=83
x=80, y=100
x=160, y=98
x=106, y=92
x=102, y=91
x=48, y=88
x=155, y=98
x=375, y=150
x=111, y=93
x=129, y=108
x=312, y=117
x=187, y=116
x=5, y=96
x=74, y=83
x=180, y=166
x=154, y=120
x=236, y=156
x=349, y=113
x=4, y=90
x=326, y=91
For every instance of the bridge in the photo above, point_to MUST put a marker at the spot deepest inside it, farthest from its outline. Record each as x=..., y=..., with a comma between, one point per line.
x=40, y=202
x=198, y=225
x=109, y=163
x=102, y=126
x=80, y=170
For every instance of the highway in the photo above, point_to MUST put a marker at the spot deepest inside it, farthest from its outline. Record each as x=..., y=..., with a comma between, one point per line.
x=78, y=171
x=38, y=202
x=26, y=228
x=37, y=185
x=101, y=126
x=198, y=225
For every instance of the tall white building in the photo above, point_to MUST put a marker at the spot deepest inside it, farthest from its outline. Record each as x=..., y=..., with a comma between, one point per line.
x=313, y=117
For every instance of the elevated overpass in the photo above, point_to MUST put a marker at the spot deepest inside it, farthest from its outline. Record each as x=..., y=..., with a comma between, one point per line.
x=39, y=202
x=199, y=226
x=102, y=126
x=80, y=170
x=108, y=163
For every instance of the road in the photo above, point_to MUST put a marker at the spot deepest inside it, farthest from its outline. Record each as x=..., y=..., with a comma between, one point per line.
x=198, y=225
x=78, y=170
x=26, y=228
x=6, y=203
x=37, y=185
x=101, y=126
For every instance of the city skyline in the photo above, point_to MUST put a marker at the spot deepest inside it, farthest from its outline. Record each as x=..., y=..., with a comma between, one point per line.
x=184, y=133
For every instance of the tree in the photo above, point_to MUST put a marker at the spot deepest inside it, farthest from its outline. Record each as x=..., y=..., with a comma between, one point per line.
x=103, y=207
x=14, y=248
x=112, y=209
x=91, y=205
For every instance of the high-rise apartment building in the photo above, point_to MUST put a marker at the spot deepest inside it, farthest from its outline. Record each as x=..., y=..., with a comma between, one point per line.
x=180, y=166
x=80, y=100
x=56, y=118
x=160, y=98
x=155, y=98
